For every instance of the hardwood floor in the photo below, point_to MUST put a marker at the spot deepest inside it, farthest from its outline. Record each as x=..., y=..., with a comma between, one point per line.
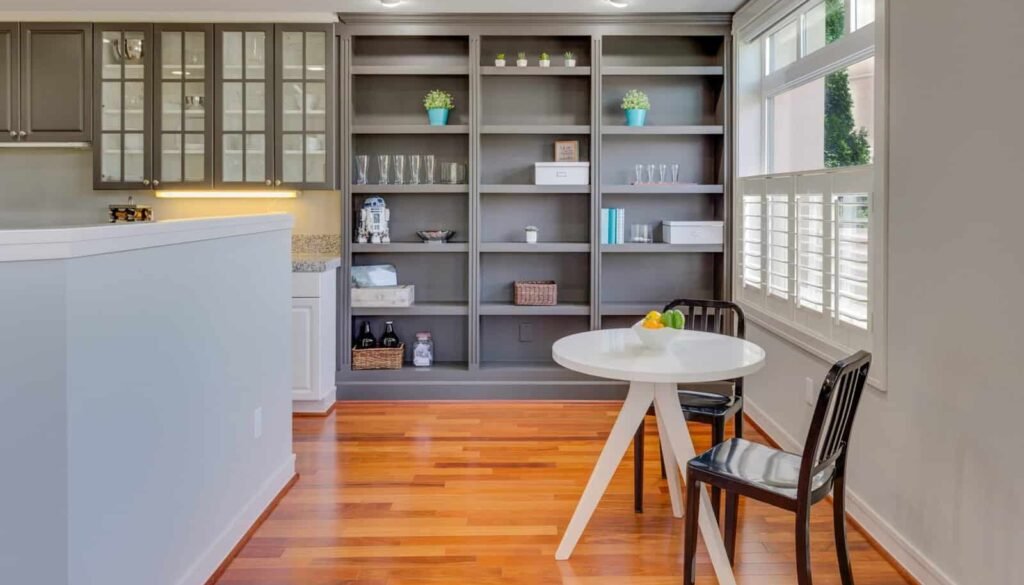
x=478, y=493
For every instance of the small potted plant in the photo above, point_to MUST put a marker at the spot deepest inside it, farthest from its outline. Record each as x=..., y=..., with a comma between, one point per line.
x=636, y=105
x=437, y=103
x=521, y=60
x=545, y=60
x=570, y=59
x=499, y=60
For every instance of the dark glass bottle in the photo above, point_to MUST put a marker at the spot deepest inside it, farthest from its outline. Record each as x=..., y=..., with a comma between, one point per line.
x=365, y=340
x=389, y=339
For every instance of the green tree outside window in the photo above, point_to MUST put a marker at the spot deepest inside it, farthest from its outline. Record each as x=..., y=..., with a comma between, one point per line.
x=845, y=144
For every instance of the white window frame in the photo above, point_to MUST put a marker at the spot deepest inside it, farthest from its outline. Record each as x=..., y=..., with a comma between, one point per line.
x=798, y=325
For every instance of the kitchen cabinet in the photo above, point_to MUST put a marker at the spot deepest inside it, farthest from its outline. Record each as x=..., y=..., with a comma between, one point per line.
x=123, y=91
x=45, y=71
x=314, y=311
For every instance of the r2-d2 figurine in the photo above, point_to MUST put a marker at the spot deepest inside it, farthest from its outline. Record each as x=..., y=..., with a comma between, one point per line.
x=373, y=222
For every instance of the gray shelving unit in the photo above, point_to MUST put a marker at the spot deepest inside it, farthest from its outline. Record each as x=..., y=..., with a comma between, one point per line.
x=507, y=118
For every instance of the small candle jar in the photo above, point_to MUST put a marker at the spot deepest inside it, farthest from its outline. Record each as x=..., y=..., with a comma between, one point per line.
x=531, y=234
x=423, y=350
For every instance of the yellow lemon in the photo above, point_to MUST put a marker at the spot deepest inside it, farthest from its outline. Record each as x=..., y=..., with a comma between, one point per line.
x=653, y=316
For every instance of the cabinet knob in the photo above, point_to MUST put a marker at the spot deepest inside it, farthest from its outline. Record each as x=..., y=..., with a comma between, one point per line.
x=267, y=182
x=156, y=182
x=23, y=134
x=145, y=182
x=277, y=182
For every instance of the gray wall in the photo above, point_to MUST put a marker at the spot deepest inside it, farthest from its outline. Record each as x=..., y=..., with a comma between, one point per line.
x=938, y=457
x=40, y=183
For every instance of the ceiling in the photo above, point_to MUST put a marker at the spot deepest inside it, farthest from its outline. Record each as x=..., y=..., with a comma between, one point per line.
x=332, y=6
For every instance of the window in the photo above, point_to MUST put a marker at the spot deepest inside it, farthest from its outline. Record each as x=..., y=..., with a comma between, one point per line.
x=782, y=47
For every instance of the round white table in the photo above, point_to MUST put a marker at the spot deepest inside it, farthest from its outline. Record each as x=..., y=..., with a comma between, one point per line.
x=653, y=376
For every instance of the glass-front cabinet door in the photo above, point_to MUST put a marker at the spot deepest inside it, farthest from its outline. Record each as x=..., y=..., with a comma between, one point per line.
x=123, y=126
x=183, y=124
x=306, y=85
x=244, y=106
x=9, y=90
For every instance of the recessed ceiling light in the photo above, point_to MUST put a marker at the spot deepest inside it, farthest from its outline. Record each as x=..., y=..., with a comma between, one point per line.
x=390, y=3
x=619, y=3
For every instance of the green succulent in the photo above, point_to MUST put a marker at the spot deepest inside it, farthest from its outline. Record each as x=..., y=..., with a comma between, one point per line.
x=545, y=57
x=500, y=57
x=569, y=55
x=636, y=100
x=437, y=98
x=522, y=55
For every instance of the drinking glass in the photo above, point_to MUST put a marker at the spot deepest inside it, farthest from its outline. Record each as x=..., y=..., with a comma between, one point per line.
x=640, y=233
x=383, y=165
x=662, y=173
x=398, y=161
x=650, y=173
x=428, y=169
x=414, y=169
x=451, y=171
x=675, y=173
x=639, y=175
x=461, y=176
x=362, y=162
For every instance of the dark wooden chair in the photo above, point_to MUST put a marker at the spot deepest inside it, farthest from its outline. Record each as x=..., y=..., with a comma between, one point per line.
x=788, y=481
x=709, y=408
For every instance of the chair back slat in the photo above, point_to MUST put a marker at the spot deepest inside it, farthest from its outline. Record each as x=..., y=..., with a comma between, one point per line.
x=832, y=423
x=711, y=316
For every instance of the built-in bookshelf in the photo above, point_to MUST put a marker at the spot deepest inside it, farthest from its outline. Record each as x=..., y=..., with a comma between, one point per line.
x=506, y=119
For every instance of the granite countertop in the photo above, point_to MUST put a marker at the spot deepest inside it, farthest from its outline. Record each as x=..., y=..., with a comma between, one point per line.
x=316, y=253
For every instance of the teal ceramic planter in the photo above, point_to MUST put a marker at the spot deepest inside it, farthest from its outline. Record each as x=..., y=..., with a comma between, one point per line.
x=438, y=116
x=635, y=117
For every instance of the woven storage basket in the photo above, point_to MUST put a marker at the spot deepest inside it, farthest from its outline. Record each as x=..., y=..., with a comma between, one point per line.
x=378, y=358
x=536, y=292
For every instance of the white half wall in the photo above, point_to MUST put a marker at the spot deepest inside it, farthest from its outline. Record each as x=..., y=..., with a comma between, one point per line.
x=937, y=470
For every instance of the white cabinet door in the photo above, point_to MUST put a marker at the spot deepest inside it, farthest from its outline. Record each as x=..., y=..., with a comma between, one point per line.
x=305, y=349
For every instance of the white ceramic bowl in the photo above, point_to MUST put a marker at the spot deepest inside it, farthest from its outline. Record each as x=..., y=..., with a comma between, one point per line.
x=656, y=338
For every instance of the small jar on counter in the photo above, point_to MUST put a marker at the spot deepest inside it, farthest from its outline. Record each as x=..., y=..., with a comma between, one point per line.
x=423, y=350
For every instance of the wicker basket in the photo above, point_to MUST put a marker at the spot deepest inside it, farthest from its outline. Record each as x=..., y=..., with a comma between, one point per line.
x=378, y=358
x=536, y=292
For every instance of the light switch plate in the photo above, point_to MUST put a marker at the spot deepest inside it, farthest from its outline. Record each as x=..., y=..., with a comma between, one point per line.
x=525, y=332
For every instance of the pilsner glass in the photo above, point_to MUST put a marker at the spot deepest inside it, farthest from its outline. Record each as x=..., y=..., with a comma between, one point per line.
x=362, y=162
x=428, y=169
x=639, y=175
x=414, y=169
x=398, y=161
x=383, y=166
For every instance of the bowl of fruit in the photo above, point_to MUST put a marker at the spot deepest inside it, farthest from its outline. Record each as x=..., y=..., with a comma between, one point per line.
x=658, y=330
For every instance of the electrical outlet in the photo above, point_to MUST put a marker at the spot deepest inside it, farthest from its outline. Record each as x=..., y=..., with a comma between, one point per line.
x=525, y=332
x=809, y=396
x=257, y=423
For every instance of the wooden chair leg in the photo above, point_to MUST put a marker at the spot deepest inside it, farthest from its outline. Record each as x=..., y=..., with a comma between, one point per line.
x=803, y=545
x=839, y=521
x=693, y=488
x=732, y=504
x=638, y=469
x=717, y=436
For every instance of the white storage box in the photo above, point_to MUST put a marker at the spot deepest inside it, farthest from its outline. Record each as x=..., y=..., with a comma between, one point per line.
x=403, y=295
x=692, y=232
x=561, y=173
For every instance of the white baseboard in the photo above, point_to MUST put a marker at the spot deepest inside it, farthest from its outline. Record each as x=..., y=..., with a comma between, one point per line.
x=321, y=406
x=906, y=554
x=221, y=547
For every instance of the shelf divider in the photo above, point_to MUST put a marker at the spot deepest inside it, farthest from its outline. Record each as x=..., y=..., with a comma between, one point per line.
x=421, y=188
x=534, y=70
x=549, y=189
x=661, y=248
x=661, y=70
x=409, y=248
x=710, y=130
x=430, y=309
x=668, y=189
x=538, y=248
x=410, y=129
x=410, y=69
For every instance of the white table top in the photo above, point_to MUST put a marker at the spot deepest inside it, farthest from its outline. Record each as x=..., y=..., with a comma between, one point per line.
x=695, y=357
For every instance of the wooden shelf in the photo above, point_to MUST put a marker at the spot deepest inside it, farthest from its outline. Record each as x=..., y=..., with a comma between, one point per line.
x=660, y=248
x=534, y=70
x=410, y=248
x=550, y=189
x=409, y=373
x=659, y=189
x=538, y=248
x=535, y=129
x=663, y=70
x=410, y=70
x=511, y=309
x=409, y=129
x=421, y=189
x=664, y=130
x=416, y=309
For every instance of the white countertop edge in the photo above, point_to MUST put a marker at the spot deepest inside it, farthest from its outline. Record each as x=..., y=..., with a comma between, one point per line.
x=75, y=242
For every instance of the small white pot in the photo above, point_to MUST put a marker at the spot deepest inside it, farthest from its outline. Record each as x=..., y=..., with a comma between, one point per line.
x=522, y=62
x=545, y=63
x=570, y=62
x=499, y=62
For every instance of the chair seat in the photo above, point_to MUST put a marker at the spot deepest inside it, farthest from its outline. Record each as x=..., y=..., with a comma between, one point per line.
x=708, y=403
x=759, y=467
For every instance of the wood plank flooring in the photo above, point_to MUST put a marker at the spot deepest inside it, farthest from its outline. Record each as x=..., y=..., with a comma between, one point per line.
x=478, y=493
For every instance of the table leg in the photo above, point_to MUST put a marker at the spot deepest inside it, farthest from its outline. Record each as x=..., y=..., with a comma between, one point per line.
x=671, y=466
x=635, y=407
x=666, y=396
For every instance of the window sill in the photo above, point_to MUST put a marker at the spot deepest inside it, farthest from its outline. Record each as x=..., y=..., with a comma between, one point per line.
x=810, y=342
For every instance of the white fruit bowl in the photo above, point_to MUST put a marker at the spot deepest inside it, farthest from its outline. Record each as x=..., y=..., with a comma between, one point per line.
x=656, y=338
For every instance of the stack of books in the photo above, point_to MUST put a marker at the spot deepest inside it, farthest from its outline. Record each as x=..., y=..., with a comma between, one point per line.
x=613, y=225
